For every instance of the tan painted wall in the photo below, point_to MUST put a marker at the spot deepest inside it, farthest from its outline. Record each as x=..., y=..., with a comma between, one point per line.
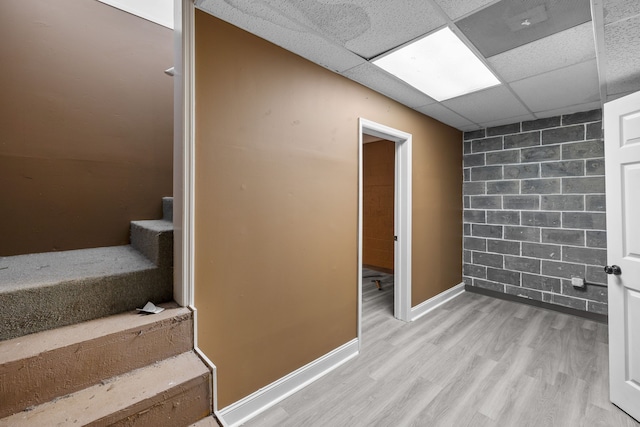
x=276, y=206
x=86, y=124
x=378, y=171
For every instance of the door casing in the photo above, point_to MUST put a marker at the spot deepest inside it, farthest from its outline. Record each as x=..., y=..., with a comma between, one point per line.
x=402, y=216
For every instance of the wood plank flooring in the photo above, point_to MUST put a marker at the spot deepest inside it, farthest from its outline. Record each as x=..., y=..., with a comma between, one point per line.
x=474, y=361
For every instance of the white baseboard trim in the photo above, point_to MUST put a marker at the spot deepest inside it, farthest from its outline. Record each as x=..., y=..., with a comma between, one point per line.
x=242, y=410
x=203, y=357
x=423, y=308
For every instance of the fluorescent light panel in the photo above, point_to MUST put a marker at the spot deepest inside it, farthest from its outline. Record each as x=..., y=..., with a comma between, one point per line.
x=439, y=65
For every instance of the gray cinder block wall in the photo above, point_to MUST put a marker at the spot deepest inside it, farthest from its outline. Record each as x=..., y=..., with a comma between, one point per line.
x=534, y=210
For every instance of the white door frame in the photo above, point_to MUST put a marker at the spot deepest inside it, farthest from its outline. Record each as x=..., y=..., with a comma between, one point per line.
x=184, y=172
x=402, y=216
x=183, y=152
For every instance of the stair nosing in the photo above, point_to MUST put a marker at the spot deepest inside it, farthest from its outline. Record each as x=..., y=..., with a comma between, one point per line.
x=146, y=223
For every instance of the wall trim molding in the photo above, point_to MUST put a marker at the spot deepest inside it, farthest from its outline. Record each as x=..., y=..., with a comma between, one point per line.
x=250, y=406
x=602, y=318
x=158, y=12
x=425, y=307
x=183, y=153
x=203, y=357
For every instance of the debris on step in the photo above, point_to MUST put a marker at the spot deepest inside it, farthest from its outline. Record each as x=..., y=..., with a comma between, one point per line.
x=150, y=308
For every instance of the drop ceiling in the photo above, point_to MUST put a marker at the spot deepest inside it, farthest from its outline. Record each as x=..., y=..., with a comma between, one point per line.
x=551, y=56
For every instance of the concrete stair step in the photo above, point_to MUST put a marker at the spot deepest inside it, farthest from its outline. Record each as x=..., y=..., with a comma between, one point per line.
x=209, y=421
x=167, y=208
x=154, y=239
x=42, y=366
x=172, y=392
x=49, y=290
x=73, y=351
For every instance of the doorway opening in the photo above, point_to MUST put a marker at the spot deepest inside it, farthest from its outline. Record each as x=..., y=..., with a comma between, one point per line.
x=378, y=190
x=400, y=248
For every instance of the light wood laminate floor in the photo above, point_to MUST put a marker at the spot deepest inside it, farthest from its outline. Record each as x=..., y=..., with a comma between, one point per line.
x=474, y=361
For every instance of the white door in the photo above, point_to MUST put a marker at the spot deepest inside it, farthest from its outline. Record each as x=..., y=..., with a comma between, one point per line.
x=622, y=163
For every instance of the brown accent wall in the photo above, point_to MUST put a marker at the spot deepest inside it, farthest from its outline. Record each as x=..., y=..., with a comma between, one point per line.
x=276, y=206
x=86, y=124
x=378, y=172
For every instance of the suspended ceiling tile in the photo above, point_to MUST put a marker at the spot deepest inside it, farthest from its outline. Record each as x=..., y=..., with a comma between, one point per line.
x=508, y=121
x=446, y=116
x=573, y=85
x=268, y=23
x=457, y=8
x=570, y=110
x=490, y=104
x=388, y=24
x=511, y=23
x=614, y=10
x=622, y=51
x=379, y=80
x=556, y=51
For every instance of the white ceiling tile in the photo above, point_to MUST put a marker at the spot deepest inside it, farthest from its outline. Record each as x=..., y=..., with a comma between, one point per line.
x=484, y=106
x=379, y=80
x=457, y=8
x=556, y=51
x=573, y=85
x=262, y=20
x=622, y=47
x=508, y=121
x=446, y=116
x=569, y=110
x=390, y=24
x=614, y=10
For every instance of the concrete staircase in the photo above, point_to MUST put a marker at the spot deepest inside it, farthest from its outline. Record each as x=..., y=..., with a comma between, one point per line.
x=125, y=369
x=49, y=290
x=74, y=351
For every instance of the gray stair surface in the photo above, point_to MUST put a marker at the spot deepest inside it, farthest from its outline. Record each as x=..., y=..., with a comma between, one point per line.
x=154, y=239
x=167, y=208
x=53, y=289
x=48, y=290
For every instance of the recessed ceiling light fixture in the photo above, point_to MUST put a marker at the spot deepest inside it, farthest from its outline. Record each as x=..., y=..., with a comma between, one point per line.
x=439, y=65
